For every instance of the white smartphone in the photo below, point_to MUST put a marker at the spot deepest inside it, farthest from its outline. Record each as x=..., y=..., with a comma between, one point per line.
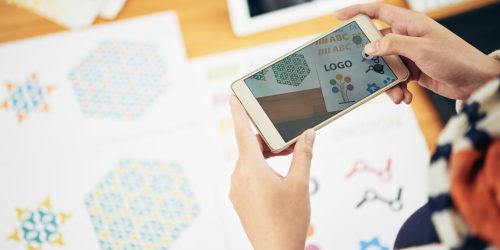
x=317, y=83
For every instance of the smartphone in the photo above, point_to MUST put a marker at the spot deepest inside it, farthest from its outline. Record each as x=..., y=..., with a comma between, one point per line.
x=317, y=83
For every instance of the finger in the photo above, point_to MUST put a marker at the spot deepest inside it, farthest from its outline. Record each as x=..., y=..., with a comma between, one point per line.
x=268, y=153
x=247, y=144
x=393, y=44
x=396, y=94
x=407, y=95
x=383, y=12
x=302, y=156
x=386, y=31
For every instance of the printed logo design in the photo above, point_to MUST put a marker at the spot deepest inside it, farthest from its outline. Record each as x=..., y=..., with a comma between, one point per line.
x=39, y=227
x=141, y=205
x=27, y=97
x=292, y=70
x=119, y=80
x=343, y=85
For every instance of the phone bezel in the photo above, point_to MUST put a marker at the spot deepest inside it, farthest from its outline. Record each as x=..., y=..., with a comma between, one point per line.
x=266, y=128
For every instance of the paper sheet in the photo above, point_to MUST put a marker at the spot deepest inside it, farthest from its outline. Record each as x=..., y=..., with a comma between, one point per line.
x=73, y=14
x=86, y=152
x=380, y=139
x=74, y=89
x=148, y=192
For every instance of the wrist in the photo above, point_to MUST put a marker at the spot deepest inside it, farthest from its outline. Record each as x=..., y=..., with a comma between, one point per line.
x=494, y=59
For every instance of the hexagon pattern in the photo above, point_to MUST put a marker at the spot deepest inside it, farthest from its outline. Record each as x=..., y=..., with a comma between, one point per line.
x=119, y=79
x=291, y=70
x=141, y=205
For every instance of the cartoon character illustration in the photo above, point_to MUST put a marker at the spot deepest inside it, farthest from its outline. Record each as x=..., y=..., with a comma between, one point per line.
x=343, y=85
x=379, y=68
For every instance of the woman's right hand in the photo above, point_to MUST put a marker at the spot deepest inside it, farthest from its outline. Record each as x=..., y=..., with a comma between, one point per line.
x=437, y=58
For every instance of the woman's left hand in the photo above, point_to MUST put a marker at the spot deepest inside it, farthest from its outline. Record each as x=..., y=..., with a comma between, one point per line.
x=274, y=209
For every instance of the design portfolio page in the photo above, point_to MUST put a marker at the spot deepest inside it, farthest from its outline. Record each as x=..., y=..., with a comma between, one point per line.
x=318, y=81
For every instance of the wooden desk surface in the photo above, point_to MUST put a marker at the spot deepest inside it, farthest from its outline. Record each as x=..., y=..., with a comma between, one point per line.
x=206, y=30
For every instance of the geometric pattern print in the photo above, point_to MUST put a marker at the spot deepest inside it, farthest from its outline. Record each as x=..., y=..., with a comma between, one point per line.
x=27, y=97
x=141, y=205
x=119, y=80
x=373, y=87
x=261, y=75
x=291, y=70
x=39, y=227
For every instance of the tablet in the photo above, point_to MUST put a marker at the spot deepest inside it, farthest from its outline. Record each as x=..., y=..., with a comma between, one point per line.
x=252, y=16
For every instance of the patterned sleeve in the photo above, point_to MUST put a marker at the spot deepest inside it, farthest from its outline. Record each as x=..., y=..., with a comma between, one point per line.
x=464, y=175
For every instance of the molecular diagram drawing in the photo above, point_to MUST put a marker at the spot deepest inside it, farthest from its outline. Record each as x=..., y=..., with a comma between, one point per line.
x=375, y=60
x=373, y=244
x=39, y=227
x=384, y=174
x=119, y=80
x=394, y=204
x=27, y=97
x=343, y=85
x=142, y=204
x=292, y=70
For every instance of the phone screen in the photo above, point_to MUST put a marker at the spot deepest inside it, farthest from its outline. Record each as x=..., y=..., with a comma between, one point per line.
x=315, y=83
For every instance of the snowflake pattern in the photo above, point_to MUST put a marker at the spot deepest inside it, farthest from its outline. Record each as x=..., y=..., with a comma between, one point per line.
x=261, y=75
x=388, y=80
x=141, y=205
x=39, y=227
x=27, y=97
x=119, y=80
x=291, y=70
x=372, y=88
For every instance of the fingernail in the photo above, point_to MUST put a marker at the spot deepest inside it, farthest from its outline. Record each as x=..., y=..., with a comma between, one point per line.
x=310, y=135
x=372, y=47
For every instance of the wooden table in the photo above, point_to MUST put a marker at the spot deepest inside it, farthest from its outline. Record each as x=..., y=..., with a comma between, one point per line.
x=206, y=30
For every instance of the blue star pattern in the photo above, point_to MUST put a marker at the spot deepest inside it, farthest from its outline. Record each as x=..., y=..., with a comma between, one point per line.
x=388, y=80
x=39, y=227
x=119, y=80
x=261, y=75
x=27, y=97
x=373, y=244
x=291, y=70
x=141, y=205
x=372, y=88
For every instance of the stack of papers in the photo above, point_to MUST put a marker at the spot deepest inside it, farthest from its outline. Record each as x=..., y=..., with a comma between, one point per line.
x=73, y=14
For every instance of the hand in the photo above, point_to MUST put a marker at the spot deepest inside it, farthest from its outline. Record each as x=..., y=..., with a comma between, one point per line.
x=437, y=58
x=274, y=209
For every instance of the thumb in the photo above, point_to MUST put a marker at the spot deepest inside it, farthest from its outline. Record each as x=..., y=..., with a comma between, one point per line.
x=394, y=44
x=302, y=156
